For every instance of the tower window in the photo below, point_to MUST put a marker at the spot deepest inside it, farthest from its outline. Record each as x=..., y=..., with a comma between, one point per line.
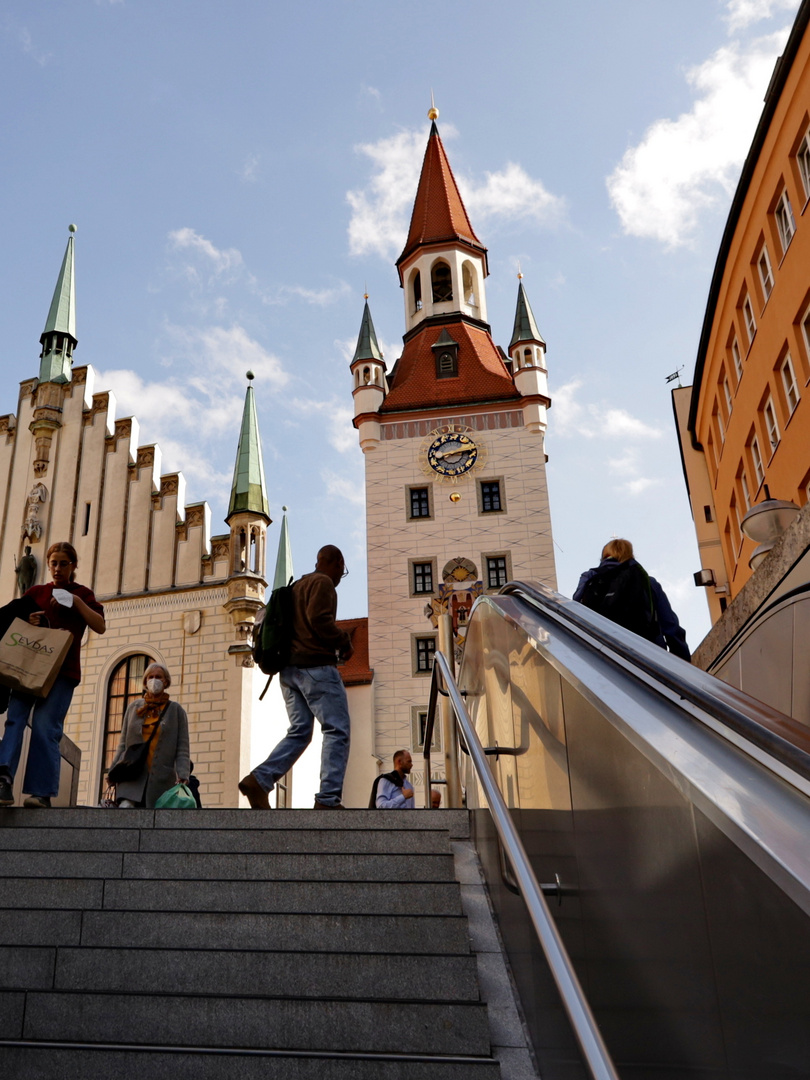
x=424, y=651
x=490, y=492
x=417, y=291
x=419, y=502
x=442, y=282
x=422, y=577
x=496, y=571
x=468, y=283
x=447, y=365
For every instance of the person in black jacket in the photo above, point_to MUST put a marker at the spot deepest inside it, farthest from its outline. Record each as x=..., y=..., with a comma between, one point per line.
x=393, y=791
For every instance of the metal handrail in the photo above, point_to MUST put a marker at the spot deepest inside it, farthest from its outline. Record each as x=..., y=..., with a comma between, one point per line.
x=574, y=1002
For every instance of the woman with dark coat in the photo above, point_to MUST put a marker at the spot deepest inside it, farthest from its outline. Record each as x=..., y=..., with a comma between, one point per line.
x=155, y=716
x=663, y=628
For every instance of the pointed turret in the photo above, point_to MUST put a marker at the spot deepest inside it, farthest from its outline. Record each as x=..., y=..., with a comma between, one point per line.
x=284, y=562
x=58, y=339
x=248, y=490
x=443, y=264
x=368, y=381
x=527, y=350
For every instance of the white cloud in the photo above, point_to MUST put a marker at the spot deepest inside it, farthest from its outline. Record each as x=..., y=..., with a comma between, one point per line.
x=683, y=167
x=250, y=169
x=344, y=488
x=380, y=210
x=320, y=297
x=340, y=433
x=742, y=13
x=221, y=261
x=219, y=356
x=23, y=37
x=595, y=421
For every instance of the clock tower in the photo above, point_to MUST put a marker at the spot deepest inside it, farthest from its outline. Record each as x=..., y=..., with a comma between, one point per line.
x=453, y=438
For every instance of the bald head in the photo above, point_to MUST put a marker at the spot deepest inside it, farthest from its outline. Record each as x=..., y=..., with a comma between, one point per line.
x=330, y=562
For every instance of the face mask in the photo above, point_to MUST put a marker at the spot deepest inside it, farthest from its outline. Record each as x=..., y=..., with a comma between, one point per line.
x=154, y=686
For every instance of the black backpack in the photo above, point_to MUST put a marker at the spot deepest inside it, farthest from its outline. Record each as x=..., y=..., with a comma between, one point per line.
x=622, y=593
x=273, y=633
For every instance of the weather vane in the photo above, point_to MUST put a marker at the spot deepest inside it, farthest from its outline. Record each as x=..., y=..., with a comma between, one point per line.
x=675, y=375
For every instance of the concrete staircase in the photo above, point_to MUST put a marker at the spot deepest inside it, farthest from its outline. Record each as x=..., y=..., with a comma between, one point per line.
x=235, y=943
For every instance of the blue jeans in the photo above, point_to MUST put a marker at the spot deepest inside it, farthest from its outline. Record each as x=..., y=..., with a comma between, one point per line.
x=47, y=721
x=310, y=694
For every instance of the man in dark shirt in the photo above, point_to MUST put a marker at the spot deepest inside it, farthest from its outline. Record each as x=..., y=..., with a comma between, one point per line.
x=312, y=688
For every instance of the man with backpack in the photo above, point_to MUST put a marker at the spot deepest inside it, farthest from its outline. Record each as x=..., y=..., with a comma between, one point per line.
x=621, y=589
x=312, y=688
x=393, y=791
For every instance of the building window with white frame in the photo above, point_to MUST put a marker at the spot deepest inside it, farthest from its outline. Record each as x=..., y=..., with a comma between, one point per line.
x=770, y=424
x=785, y=222
x=756, y=459
x=727, y=395
x=750, y=321
x=735, y=355
x=765, y=272
x=746, y=493
x=803, y=161
x=719, y=423
x=790, y=384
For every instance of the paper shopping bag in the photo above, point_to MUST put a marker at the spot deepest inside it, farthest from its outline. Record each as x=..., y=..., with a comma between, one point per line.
x=31, y=657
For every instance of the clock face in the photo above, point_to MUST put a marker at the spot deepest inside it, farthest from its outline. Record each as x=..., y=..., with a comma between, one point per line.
x=451, y=454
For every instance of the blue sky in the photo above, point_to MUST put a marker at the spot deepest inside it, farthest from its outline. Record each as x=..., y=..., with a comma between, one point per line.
x=241, y=173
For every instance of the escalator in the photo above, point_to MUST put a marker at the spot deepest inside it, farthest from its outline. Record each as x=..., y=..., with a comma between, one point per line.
x=668, y=817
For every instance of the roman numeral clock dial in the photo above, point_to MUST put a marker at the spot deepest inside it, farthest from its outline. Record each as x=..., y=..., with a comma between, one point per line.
x=452, y=453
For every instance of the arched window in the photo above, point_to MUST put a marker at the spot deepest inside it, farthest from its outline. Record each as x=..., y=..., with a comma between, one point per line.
x=442, y=282
x=125, y=685
x=416, y=282
x=527, y=357
x=468, y=284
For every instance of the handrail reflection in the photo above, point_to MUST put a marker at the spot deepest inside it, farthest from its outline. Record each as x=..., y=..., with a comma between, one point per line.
x=576, y=1006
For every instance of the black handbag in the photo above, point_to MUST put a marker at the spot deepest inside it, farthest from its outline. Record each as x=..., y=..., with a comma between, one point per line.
x=133, y=763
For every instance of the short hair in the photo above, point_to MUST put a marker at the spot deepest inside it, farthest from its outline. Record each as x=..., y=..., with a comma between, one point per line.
x=399, y=755
x=167, y=682
x=330, y=553
x=620, y=550
x=64, y=548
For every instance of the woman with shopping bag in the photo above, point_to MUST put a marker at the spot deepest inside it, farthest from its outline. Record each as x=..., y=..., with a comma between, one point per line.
x=152, y=754
x=62, y=605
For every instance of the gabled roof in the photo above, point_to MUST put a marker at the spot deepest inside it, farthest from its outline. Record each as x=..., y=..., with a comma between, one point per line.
x=525, y=328
x=356, y=671
x=248, y=491
x=368, y=347
x=438, y=214
x=482, y=375
x=62, y=315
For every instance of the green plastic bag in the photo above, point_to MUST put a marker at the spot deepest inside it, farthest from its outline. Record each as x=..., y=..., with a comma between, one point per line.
x=178, y=797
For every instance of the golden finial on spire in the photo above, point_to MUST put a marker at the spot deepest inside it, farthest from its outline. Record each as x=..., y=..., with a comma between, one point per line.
x=433, y=112
x=365, y=290
x=520, y=273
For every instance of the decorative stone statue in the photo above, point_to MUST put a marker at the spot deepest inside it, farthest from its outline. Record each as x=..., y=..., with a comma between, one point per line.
x=32, y=529
x=26, y=570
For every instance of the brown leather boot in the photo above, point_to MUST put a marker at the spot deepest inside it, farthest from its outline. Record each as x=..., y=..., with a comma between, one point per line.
x=256, y=795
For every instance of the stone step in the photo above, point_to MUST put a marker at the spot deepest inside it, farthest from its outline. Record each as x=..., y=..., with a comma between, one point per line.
x=341, y=898
x=248, y=1022
x=356, y=977
x=259, y=841
x=454, y=823
x=71, y=1063
x=202, y=866
x=428, y=935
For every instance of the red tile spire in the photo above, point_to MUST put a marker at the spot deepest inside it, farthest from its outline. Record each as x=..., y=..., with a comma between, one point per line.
x=439, y=216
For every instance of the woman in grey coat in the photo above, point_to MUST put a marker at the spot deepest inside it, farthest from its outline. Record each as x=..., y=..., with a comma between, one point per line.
x=167, y=761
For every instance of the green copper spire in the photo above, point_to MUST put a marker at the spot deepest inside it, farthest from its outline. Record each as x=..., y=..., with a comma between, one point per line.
x=58, y=339
x=367, y=345
x=284, y=562
x=525, y=328
x=248, y=490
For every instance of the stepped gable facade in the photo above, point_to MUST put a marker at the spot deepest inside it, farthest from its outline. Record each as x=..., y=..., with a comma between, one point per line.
x=70, y=469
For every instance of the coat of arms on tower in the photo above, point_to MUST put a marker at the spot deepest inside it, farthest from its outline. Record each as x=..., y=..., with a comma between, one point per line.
x=458, y=592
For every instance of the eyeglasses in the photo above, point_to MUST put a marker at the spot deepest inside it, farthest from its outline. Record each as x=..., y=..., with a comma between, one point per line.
x=345, y=571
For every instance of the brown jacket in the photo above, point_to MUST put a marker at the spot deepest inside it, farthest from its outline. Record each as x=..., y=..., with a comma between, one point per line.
x=317, y=639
